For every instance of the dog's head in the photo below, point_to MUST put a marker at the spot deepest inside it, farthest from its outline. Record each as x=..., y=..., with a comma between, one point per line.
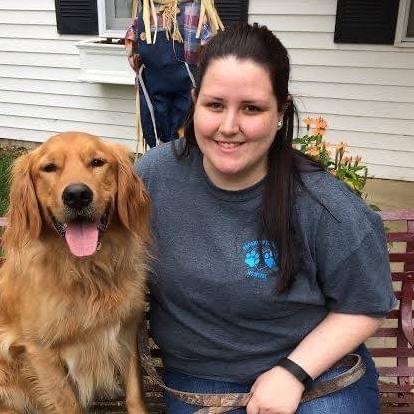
x=77, y=185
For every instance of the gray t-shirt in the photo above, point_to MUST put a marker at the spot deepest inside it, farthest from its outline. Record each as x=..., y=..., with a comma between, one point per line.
x=215, y=312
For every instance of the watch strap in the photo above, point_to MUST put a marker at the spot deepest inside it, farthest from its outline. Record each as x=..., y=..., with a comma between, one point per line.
x=297, y=371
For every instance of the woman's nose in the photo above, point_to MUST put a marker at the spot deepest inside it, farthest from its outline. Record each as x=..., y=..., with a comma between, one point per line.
x=229, y=123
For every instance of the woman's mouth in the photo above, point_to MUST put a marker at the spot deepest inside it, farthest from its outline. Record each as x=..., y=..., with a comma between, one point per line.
x=229, y=145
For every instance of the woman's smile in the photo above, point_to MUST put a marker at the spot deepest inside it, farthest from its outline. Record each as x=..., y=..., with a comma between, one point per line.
x=229, y=146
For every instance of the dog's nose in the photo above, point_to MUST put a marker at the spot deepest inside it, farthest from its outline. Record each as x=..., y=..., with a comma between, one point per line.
x=77, y=196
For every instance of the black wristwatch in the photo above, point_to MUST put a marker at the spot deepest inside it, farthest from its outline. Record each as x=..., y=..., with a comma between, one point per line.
x=298, y=372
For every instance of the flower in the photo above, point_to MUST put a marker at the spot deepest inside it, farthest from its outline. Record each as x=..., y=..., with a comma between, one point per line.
x=320, y=123
x=341, y=146
x=313, y=151
x=308, y=121
x=318, y=131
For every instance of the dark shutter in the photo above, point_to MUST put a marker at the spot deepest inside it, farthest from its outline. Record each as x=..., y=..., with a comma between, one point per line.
x=77, y=17
x=366, y=21
x=232, y=11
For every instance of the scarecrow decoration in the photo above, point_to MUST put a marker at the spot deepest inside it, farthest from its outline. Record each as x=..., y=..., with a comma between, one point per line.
x=163, y=46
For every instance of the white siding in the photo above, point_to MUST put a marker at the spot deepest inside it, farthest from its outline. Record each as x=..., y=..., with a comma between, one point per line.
x=366, y=92
x=40, y=93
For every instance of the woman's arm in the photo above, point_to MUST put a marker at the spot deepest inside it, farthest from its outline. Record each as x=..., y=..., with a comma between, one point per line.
x=337, y=335
x=279, y=392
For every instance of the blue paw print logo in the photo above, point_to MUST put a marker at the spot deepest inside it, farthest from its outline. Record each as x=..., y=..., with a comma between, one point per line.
x=252, y=258
x=269, y=259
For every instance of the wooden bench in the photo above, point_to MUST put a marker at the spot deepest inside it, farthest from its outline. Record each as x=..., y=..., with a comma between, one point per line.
x=391, y=346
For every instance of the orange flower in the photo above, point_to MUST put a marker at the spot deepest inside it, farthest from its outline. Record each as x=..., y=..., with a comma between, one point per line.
x=318, y=131
x=341, y=146
x=320, y=123
x=313, y=151
x=308, y=121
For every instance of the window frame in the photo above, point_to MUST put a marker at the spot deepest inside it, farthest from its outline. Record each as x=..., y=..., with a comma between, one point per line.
x=401, y=39
x=103, y=23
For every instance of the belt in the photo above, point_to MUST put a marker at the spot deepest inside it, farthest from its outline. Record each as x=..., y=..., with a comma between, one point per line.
x=222, y=403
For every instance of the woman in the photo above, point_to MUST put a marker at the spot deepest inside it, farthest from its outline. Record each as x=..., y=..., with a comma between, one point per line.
x=260, y=254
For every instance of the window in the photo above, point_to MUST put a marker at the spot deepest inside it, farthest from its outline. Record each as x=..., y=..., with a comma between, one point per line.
x=405, y=25
x=114, y=17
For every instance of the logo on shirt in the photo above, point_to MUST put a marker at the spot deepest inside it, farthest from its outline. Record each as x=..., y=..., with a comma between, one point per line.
x=259, y=265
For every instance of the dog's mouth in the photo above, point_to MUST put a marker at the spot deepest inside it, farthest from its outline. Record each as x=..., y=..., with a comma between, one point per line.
x=82, y=235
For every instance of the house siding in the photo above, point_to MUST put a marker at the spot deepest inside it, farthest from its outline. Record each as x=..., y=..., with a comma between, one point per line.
x=40, y=91
x=366, y=92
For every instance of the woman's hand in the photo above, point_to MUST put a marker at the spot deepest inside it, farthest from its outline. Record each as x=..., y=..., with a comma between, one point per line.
x=276, y=391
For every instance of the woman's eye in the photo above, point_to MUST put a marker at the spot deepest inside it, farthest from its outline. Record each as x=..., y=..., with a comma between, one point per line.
x=215, y=106
x=49, y=167
x=97, y=162
x=251, y=108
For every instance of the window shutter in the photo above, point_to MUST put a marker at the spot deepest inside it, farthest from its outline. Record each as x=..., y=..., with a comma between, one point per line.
x=232, y=11
x=366, y=21
x=77, y=17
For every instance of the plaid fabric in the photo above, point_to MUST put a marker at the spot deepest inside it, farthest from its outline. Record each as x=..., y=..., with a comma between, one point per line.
x=192, y=45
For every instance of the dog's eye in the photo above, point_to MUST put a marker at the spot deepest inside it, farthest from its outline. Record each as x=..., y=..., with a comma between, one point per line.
x=49, y=167
x=97, y=162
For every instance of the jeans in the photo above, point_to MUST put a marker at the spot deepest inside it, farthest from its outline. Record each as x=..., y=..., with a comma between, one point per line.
x=362, y=397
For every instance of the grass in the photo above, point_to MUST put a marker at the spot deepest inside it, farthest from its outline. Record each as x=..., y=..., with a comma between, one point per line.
x=7, y=156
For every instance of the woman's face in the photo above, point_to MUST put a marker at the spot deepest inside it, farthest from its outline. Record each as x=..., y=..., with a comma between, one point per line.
x=235, y=122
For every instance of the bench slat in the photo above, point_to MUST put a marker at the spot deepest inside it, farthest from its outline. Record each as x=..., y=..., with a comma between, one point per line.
x=400, y=237
x=396, y=371
x=400, y=276
x=392, y=352
x=386, y=333
x=397, y=388
x=399, y=215
x=402, y=257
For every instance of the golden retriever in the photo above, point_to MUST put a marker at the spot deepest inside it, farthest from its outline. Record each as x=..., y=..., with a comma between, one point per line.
x=72, y=288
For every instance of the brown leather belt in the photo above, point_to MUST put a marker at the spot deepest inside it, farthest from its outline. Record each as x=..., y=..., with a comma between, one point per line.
x=222, y=403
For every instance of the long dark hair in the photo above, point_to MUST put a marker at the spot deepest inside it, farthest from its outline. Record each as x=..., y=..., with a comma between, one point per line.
x=278, y=215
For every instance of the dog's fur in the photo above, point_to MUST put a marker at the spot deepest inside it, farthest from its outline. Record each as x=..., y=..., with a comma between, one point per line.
x=68, y=324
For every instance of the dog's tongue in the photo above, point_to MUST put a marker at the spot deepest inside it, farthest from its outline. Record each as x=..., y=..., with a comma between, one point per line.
x=82, y=238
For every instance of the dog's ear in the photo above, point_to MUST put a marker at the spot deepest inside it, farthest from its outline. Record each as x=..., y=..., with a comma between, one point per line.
x=133, y=202
x=23, y=215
